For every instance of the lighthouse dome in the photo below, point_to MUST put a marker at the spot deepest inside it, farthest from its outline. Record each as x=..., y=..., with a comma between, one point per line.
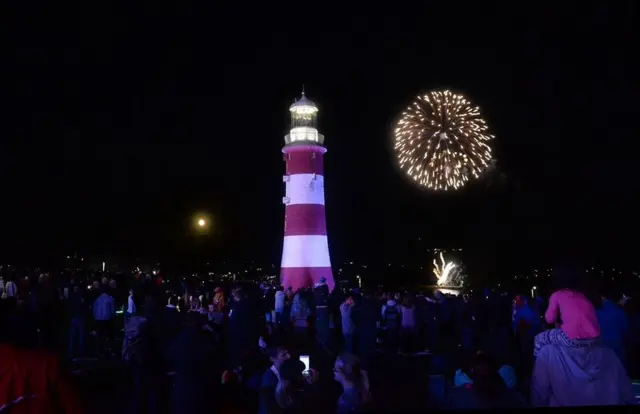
x=303, y=105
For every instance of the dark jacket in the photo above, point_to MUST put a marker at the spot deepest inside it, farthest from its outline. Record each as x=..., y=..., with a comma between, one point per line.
x=171, y=323
x=365, y=316
x=243, y=327
x=614, y=327
x=466, y=398
x=321, y=295
x=77, y=308
x=191, y=354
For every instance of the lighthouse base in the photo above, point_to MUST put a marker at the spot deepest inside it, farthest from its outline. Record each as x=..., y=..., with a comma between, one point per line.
x=302, y=277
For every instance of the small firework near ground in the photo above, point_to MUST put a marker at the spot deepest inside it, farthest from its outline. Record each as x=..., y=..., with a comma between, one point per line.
x=448, y=274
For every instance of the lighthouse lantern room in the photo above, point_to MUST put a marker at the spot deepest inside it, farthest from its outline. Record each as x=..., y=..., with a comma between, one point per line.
x=304, y=120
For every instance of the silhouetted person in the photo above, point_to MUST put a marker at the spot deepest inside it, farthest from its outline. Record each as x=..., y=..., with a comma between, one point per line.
x=243, y=327
x=191, y=354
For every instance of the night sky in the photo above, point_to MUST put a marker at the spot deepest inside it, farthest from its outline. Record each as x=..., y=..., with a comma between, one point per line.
x=121, y=122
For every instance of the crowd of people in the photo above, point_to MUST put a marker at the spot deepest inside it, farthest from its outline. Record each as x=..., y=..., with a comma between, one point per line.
x=251, y=347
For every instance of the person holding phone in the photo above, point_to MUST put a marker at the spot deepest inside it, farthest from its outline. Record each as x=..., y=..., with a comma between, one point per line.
x=278, y=355
x=305, y=359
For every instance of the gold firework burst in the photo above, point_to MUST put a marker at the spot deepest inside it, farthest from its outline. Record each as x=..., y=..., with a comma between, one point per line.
x=441, y=141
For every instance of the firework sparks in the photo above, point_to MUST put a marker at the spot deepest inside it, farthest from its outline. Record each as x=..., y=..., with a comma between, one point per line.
x=447, y=273
x=441, y=141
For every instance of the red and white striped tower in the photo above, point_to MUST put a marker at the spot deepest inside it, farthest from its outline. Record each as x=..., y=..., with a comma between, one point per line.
x=305, y=251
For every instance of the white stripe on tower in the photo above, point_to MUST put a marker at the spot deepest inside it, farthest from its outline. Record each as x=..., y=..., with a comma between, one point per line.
x=306, y=251
x=305, y=189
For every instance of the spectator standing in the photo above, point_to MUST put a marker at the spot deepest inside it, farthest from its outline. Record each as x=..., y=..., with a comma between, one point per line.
x=614, y=326
x=348, y=327
x=131, y=304
x=279, y=300
x=77, y=314
x=103, y=313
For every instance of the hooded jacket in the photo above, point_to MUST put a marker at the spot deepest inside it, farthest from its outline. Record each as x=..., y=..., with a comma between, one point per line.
x=565, y=377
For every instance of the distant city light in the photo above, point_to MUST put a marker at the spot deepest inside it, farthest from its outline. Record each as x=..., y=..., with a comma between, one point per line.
x=202, y=222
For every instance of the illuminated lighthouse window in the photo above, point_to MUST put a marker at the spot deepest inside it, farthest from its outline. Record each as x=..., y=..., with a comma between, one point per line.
x=304, y=134
x=304, y=116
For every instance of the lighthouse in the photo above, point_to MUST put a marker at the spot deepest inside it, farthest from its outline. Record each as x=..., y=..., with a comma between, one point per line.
x=305, y=250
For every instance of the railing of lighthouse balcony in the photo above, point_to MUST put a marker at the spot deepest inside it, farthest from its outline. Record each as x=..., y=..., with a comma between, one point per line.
x=304, y=135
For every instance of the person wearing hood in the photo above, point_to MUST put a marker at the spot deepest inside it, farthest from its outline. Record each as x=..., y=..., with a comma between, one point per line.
x=571, y=377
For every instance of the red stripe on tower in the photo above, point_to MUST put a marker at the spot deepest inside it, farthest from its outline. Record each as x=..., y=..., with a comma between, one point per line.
x=305, y=251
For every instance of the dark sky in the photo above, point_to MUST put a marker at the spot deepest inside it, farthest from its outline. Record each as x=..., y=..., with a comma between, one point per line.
x=121, y=121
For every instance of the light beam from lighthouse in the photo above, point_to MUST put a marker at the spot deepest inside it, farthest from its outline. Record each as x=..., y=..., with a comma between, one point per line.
x=305, y=251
